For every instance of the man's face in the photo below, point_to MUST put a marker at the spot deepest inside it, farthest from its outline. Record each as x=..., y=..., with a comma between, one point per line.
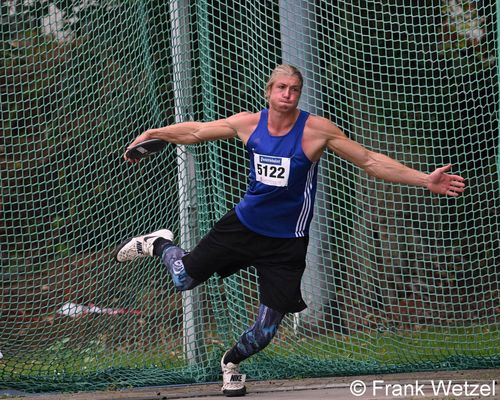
x=284, y=94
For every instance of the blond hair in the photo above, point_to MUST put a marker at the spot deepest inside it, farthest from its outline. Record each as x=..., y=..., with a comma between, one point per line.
x=283, y=69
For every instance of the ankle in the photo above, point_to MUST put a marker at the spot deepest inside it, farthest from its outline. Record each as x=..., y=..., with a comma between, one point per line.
x=160, y=245
x=233, y=356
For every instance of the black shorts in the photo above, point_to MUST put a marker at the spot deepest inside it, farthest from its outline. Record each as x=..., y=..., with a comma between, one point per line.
x=230, y=246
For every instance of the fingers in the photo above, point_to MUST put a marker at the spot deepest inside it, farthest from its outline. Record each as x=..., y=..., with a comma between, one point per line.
x=457, y=178
x=455, y=187
x=445, y=168
x=457, y=184
x=137, y=140
x=455, y=191
x=130, y=160
x=141, y=138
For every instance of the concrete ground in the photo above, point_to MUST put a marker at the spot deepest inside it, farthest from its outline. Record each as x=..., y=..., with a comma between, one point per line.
x=442, y=385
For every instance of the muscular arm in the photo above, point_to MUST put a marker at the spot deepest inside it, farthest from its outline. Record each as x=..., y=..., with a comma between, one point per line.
x=376, y=164
x=196, y=132
x=190, y=132
x=384, y=167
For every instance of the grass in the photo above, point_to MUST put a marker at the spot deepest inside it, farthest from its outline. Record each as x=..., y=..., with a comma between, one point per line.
x=401, y=347
x=94, y=366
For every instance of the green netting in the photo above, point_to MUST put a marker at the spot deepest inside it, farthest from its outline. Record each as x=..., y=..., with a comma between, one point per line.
x=397, y=279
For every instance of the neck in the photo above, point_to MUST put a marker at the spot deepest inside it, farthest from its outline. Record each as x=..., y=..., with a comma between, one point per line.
x=280, y=122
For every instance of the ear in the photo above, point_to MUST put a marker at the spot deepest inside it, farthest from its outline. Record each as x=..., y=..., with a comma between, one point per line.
x=268, y=92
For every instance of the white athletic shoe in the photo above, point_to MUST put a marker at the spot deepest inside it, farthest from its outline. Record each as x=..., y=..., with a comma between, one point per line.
x=233, y=383
x=140, y=246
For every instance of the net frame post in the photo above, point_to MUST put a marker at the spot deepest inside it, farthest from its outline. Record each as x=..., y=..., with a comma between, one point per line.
x=208, y=209
x=498, y=64
x=183, y=93
x=298, y=46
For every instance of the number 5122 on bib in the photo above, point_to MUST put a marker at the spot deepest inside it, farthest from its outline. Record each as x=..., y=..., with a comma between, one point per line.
x=272, y=170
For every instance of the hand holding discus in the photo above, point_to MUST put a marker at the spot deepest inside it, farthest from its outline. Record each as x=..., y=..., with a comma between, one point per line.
x=146, y=148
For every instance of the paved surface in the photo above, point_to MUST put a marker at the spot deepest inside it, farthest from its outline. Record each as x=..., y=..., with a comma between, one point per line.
x=442, y=385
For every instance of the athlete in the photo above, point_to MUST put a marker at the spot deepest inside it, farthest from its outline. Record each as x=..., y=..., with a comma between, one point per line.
x=268, y=228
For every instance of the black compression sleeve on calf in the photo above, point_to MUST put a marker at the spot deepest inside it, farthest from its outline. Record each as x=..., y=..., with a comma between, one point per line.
x=256, y=337
x=159, y=245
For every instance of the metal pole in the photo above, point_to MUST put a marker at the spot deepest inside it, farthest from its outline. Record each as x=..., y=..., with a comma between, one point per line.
x=299, y=48
x=498, y=75
x=183, y=94
x=148, y=63
x=220, y=311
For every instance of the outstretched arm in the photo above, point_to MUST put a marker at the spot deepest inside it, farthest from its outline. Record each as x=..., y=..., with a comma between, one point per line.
x=197, y=132
x=383, y=167
x=189, y=132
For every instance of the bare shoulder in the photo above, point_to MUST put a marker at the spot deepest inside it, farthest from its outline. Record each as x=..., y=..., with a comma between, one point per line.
x=245, y=117
x=244, y=123
x=323, y=128
x=320, y=133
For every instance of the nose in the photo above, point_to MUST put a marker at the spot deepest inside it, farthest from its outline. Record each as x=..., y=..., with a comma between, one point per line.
x=286, y=93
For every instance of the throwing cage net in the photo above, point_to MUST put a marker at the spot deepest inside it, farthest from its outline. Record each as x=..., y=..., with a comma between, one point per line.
x=397, y=280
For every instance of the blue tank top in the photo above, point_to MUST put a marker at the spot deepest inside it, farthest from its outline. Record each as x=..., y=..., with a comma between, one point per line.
x=282, y=182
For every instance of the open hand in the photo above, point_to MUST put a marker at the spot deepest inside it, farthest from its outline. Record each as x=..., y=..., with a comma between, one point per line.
x=442, y=183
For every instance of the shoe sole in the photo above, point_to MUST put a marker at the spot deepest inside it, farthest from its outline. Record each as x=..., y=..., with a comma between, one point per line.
x=235, y=393
x=118, y=248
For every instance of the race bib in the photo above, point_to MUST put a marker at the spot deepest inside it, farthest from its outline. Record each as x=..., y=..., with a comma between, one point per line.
x=271, y=170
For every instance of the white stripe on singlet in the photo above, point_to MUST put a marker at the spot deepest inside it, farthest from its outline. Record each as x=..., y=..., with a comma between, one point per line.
x=307, y=206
